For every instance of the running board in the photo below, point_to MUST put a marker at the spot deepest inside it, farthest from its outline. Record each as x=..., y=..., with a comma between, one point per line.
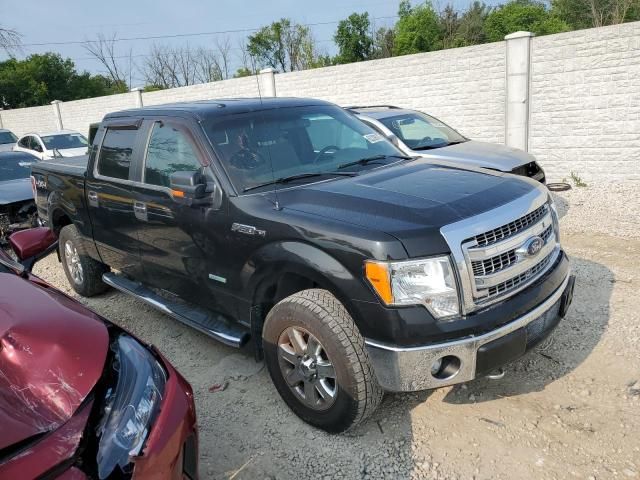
x=208, y=322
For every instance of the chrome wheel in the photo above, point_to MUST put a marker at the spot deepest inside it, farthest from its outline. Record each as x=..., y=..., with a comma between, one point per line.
x=72, y=260
x=306, y=368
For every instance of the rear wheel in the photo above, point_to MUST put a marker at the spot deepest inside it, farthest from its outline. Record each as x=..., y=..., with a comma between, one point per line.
x=83, y=272
x=318, y=361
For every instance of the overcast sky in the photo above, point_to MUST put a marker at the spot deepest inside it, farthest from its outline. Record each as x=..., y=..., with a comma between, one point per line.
x=51, y=21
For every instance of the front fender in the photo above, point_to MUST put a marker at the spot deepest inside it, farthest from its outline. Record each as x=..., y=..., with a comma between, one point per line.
x=270, y=262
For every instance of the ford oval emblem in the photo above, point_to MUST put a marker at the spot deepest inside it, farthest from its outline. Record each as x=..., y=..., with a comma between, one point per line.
x=533, y=245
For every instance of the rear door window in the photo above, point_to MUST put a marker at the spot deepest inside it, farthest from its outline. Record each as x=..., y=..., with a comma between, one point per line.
x=114, y=160
x=170, y=150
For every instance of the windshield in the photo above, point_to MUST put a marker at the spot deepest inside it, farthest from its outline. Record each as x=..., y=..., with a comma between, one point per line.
x=7, y=137
x=14, y=169
x=420, y=131
x=64, y=140
x=258, y=147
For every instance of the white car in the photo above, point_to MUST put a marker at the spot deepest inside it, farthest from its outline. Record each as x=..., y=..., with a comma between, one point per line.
x=417, y=133
x=7, y=140
x=45, y=146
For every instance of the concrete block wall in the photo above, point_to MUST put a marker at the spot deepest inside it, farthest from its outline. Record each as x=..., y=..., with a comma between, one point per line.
x=464, y=87
x=580, y=110
x=585, y=103
x=26, y=120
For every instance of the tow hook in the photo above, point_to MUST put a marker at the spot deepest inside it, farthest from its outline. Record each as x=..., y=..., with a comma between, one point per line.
x=496, y=374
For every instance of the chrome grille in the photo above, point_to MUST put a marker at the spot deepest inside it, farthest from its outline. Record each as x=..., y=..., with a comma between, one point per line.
x=499, y=260
x=520, y=279
x=512, y=228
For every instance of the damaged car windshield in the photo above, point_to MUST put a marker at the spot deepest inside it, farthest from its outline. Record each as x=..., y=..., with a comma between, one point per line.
x=258, y=147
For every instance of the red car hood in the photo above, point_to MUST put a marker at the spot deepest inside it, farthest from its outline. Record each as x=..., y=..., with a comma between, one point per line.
x=52, y=353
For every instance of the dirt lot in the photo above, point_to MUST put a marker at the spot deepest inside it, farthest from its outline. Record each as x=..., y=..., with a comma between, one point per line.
x=570, y=409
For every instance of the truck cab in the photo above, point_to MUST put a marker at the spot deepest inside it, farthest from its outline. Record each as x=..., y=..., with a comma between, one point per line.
x=291, y=226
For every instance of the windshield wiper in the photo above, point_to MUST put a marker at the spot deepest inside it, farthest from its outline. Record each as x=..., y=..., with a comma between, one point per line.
x=364, y=161
x=290, y=178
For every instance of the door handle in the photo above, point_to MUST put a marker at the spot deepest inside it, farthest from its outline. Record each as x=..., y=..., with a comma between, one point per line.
x=93, y=198
x=140, y=210
x=140, y=207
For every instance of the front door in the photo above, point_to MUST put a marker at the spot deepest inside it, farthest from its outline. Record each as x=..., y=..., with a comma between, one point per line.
x=177, y=241
x=110, y=199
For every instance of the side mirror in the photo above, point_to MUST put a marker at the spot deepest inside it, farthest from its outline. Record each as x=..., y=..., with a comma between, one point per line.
x=188, y=185
x=33, y=244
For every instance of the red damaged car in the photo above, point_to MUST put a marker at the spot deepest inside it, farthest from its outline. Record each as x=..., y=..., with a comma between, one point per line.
x=80, y=397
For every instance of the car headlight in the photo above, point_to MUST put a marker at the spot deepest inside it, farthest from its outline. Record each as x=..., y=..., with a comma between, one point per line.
x=131, y=407
x=429, y=282
x=555, y=218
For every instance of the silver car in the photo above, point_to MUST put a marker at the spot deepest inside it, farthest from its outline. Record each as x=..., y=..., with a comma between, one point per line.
x=7, y=140
x=417, y=133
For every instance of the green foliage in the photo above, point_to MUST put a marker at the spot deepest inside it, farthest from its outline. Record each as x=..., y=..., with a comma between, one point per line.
x=595, y=13
x=41, y=78
x=417, y=29
x=577, y=180
x=353, y=39
x=519, y=15
x=383, y=42
x=471, y=26
x=242, y=72
x=283, y=45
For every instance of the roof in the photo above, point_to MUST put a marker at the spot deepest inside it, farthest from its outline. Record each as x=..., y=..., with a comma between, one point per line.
x=48, y=134
x=5, y=130
x=210, y=108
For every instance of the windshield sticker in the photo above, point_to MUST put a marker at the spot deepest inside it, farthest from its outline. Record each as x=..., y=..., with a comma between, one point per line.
x=373, y=138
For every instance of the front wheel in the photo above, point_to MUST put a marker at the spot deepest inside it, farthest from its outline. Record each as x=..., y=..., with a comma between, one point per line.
x=83, y=272
x=318, y=361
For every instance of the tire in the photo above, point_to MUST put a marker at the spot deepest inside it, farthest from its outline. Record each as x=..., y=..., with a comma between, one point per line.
x=327, y=322
x=83, y=272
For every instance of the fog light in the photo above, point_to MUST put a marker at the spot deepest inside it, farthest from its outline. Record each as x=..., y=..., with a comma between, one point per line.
x=448, y=367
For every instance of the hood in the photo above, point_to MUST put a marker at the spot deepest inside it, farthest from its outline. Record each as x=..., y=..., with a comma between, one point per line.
x=52, y=353
x=15, y=191
x=410, y=201
x=73, y=152
x=481, y=154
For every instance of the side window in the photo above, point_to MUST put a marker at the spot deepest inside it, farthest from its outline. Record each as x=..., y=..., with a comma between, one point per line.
x=34, y=144
x=170, y=150
x=115, y=154
x=24, y=142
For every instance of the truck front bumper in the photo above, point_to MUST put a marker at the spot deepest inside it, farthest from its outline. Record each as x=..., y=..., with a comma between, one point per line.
x=403, y=369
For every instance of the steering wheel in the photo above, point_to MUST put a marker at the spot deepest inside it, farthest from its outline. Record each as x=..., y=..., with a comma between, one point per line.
x=245, y=159
x=324, y=151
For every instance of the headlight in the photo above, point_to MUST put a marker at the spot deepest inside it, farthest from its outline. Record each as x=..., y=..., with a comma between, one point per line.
x=131, y=407
x=429, y=282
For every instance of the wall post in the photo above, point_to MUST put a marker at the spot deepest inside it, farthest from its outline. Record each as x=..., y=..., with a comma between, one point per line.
x=518, y=67
x=137, y=91
x=57, y=114
x=268, y=82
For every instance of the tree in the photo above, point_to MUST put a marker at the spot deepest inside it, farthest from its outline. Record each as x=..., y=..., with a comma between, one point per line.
x=354, y=39
x=383, y=42
x=519, y=15
x=103, y=50
x=595, y=13
x=283, y=45
x=449, y=25
x=10, y=40
x=471, y=27
x=417, y=29
x=41, y=78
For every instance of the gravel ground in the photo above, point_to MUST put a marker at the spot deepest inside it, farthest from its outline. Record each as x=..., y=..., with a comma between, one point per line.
x=569, y=409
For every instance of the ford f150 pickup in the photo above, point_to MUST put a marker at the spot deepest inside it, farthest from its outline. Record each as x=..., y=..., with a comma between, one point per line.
x=352, y=268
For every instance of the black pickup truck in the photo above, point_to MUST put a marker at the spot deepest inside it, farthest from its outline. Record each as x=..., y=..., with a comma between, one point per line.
x=352, y=268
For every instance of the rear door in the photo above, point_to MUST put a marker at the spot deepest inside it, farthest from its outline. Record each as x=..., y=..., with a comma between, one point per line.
x=110, y=197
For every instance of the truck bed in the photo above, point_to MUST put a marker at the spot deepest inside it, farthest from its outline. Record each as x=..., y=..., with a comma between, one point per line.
x=75, y=166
